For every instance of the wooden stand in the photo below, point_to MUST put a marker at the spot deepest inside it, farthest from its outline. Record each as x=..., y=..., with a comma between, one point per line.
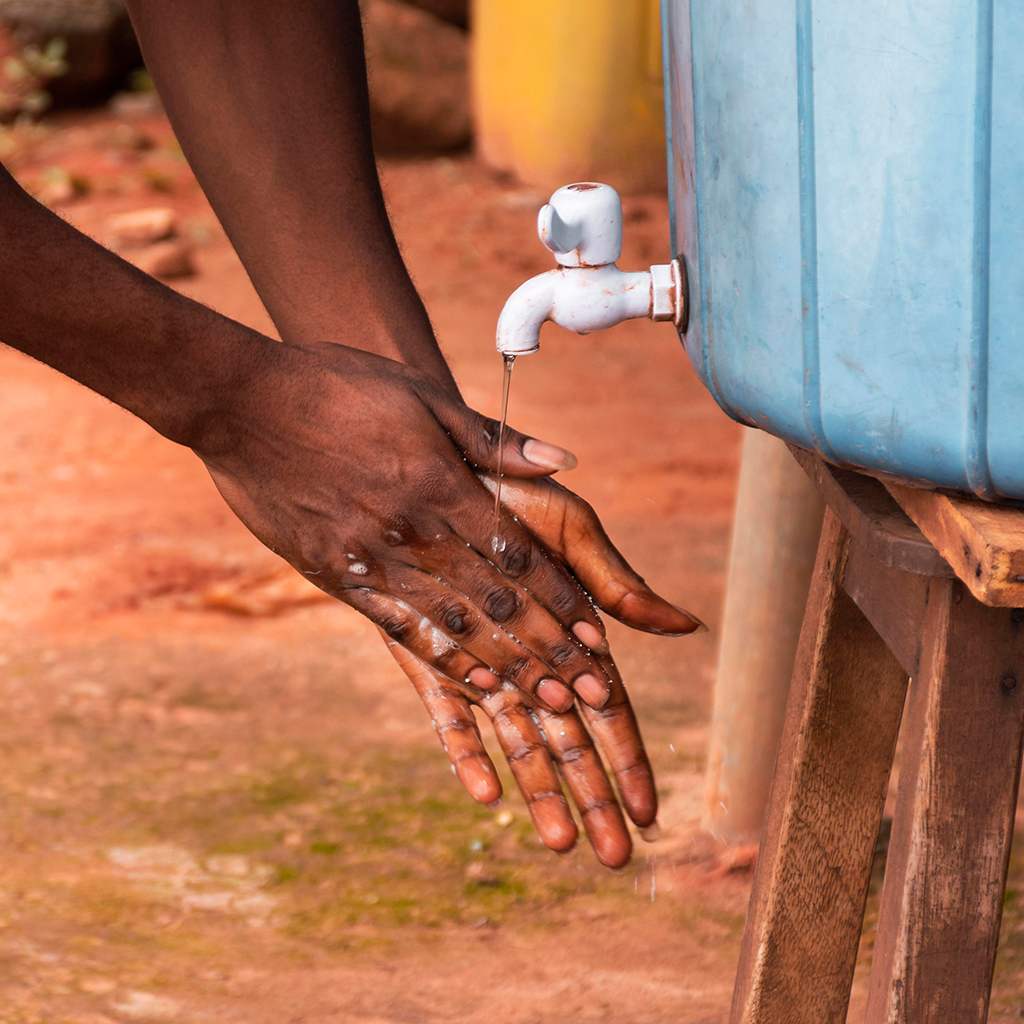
x=907, y=583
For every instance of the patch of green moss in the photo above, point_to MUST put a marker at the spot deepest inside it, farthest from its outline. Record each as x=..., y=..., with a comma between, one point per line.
x=373, y=844
x=327, y=849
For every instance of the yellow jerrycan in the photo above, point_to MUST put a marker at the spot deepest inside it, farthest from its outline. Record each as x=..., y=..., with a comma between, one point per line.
x=570, y=89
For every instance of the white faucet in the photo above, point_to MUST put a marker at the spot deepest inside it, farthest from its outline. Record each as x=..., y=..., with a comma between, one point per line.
x=582, y=225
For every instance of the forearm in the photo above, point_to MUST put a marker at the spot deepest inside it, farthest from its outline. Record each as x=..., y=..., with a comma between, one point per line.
x=84, y=311
x=269, y=103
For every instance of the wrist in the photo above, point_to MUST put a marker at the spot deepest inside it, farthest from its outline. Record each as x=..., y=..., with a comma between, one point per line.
x=229, y=373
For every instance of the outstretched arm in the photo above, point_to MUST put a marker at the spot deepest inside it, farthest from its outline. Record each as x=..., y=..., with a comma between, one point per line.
x=269, y=103
x=351, y=466
x=72, y=304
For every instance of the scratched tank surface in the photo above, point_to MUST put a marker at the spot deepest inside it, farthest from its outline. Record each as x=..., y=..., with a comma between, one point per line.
x=846, y=183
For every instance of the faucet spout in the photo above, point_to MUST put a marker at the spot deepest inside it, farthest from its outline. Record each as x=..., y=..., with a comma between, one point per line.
x=527, y=308
x=582, y=226
x=580, y=299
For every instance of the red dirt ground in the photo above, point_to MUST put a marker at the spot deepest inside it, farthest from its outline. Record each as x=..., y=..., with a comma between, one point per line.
x=222, y=800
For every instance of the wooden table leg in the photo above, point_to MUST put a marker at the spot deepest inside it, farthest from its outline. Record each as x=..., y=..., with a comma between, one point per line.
x=953, y=823
x=807, y=906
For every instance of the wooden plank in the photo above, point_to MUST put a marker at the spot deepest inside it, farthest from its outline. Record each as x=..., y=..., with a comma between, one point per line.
x=983, y=543
x=891, y=600
x=810, y=885
x=953, y=823
x=872, y=517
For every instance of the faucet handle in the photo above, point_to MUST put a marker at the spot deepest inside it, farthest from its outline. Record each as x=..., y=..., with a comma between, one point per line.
x=582, y=224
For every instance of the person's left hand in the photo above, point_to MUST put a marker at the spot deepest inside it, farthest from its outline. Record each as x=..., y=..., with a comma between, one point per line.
x=543, y=747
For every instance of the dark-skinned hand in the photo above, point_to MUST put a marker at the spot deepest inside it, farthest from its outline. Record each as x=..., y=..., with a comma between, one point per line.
x=545, y=748
x=357, y=470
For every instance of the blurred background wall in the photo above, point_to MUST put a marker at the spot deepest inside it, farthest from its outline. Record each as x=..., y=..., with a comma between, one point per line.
x=551, y=92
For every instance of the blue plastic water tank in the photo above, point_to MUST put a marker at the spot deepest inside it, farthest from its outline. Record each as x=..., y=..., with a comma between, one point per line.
x=847, y=186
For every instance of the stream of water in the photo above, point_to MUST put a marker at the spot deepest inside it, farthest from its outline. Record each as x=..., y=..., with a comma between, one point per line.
x=508, y=361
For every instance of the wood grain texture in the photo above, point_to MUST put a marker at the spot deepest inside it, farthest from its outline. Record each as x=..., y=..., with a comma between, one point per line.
x=807, y=906
x=876, y=522
x=892, y=601
x=983, y=543
x=953, y=823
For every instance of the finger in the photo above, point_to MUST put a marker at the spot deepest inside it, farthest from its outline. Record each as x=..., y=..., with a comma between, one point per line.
x=402, y=623
x=481, y=439
x=519, y=579
x=615, y=729
x=512, y=580
x=568, y=526
x=532, y=768
x=453, y=721
x=508, y=631
x=573, y=751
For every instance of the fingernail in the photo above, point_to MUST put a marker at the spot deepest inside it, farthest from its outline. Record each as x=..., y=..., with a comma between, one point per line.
x=656, y=615
x=550, y=456
x=694, y=625
x=591, y=689
x=554, y=694
x=591, y=636
x=482, y=678
x=651, y=833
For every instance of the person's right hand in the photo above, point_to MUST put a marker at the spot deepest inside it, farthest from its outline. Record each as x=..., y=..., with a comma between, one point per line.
x=358, y=471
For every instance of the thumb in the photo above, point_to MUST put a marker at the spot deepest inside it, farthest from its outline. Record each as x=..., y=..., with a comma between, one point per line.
x=569, y=527
x=478, y=438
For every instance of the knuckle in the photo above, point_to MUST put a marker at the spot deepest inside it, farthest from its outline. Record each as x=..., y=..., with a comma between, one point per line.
x=561, y=653
x=512, y=718
x=438, y=694
x=541, y=795
x=516, y=669
x=454, y=616
x=468, y=755
x=571, y=754
x=641, y=768
x=396, y=530
x=490, y=431
x=313, y=552
x=613, y=713
x=564, y=600
x=395, y=626
x=455, y=725
x=517, y=558
x=521, y=750
x=501, y=604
